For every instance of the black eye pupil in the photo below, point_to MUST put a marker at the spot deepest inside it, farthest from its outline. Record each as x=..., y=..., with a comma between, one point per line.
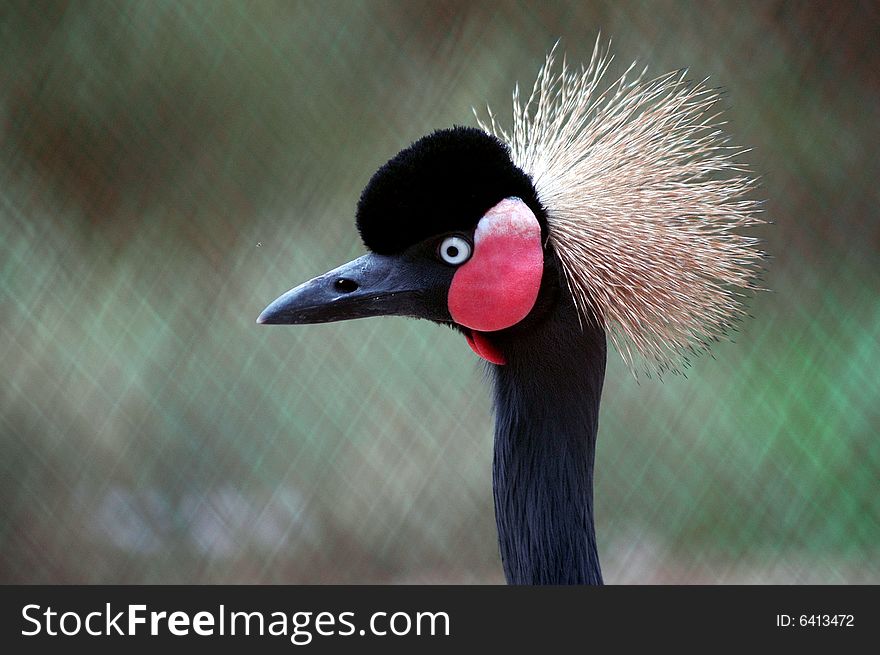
x=452, y=251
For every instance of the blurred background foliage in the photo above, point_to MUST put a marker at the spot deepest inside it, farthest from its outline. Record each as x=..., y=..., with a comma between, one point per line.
x=168, y=168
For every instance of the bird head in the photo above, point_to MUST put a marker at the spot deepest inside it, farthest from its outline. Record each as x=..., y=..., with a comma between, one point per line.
x=456, y=234
x=628, y=200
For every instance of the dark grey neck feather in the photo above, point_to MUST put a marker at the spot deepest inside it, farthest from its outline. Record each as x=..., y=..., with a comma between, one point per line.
x=547, y=414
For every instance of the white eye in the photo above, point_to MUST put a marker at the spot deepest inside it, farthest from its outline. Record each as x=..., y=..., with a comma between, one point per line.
x=455, y=250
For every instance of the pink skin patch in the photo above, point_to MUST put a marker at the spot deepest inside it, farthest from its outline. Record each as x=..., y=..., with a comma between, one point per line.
x=498, y=286
x=481, y=345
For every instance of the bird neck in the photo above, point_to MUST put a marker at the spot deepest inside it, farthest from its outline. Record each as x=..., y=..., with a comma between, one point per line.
x=547, y=411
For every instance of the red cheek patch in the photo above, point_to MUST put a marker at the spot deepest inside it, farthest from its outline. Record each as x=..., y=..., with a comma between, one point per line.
x=497, y=287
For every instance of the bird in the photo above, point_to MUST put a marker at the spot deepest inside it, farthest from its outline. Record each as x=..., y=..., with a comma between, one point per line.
x=609, y=212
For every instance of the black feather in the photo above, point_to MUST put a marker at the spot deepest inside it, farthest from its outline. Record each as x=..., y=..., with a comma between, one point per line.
x=547, y=417
x=444, y=182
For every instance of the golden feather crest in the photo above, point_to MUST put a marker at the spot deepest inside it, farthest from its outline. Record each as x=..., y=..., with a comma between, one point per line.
x=645, y=199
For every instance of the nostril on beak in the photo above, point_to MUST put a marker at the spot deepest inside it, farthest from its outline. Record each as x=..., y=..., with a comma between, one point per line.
x=344, y=285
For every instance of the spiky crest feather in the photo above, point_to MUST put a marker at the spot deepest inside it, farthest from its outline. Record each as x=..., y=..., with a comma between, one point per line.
x=644, y=196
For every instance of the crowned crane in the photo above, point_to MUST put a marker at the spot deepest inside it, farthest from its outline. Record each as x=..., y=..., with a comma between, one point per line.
x=606, y=212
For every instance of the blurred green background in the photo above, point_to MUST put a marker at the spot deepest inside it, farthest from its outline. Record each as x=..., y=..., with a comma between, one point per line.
x=168, y=168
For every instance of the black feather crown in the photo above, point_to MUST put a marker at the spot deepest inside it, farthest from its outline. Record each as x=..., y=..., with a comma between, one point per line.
x=444, y=182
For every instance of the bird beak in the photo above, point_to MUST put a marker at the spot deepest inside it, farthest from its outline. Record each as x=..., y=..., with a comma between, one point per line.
x=372, y=285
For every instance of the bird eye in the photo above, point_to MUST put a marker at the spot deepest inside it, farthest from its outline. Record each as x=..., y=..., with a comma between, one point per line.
x=455, y=250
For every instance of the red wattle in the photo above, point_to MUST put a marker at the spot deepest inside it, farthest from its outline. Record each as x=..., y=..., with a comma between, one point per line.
x=498, y=286
x=484, y=348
